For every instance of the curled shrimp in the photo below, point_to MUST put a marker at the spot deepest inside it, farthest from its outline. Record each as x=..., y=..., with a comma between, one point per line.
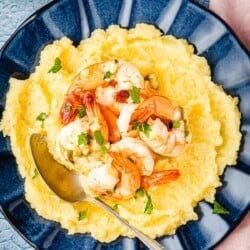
x=79, y=99
x=111, y=119
x=158, y=106
x=103, y=179
x=130, y=179
x=122, y=178
x=83, y=136
x=167, y=132
x=114, y=72
x=121, y=77
x=138, y=152
x=118, y=180
x=94, y=114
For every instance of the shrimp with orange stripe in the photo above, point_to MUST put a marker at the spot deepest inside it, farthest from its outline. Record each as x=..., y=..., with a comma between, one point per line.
x=131, y=168
x=167, y=130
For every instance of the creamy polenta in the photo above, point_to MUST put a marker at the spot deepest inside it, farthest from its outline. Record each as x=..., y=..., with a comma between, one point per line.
x=33, y=106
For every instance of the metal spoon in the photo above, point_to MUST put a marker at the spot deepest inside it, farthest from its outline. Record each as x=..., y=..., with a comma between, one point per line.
x=67, y=185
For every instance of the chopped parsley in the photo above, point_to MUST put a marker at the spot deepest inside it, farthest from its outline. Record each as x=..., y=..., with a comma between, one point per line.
x=42, y=116
x=107, y=75
x=36, y=173
x=68, y=107
x=142, y=127
x=83, y=138
x=149, y=205
x=100, y=197
x=135, y=94
x=145, y=128
x=139, y=193
x=56, y=67
x=219, y=209
x=82, y=215
x=176, y=124
x=103, y=150
x=115, y=207
x=98, y=137
x=82, y=112
x=100, y=140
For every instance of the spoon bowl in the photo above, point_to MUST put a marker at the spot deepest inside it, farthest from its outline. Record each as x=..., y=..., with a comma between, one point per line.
x=67, y=185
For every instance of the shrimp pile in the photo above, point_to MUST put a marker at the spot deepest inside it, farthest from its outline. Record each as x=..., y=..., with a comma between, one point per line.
x=115, y=128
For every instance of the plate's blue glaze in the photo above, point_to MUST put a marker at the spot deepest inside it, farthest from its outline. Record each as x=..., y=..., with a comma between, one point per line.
x=76, y=19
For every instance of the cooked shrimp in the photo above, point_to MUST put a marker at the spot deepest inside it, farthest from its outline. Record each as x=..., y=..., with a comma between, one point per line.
x=138, y=152
x=167, y=130
x=121, y=77
x=160, y=177
x=79, y=99
x=130, y=178
x=158, y=106
x=165, y=141
x=68, y=148
x=111, y=82
x=113, y=71
x=123, y=121
x=111, y=119
x=118, y=180
x=95, y=115
x=103, y=179
x=89, y=78
x=71, y=106
x=122, y=178
x=79, y=138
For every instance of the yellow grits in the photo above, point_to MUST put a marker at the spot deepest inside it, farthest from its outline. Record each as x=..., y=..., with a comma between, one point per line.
x=214, y=122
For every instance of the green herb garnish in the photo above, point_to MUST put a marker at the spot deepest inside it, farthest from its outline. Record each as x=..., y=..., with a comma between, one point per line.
x=42, y=116
x=219, y=209
x=100, y=197
x=83, y=138
x=100, y=140
x=142, y=127
x=36, y=173
x=145, y=128
x=135, y=94
x=82, y=112
x=98, y=137
x=107, y=75
x=176, y=124
x=67, y=107
x=56, y=67
x=149, y=206
x=82, y=215
x=115, y=207
x=139, y=193
x=103, y=150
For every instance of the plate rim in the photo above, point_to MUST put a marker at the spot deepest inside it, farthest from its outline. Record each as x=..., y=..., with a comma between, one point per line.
x=45, y=7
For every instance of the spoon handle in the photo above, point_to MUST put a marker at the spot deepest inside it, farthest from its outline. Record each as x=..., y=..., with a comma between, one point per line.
x=150, y=243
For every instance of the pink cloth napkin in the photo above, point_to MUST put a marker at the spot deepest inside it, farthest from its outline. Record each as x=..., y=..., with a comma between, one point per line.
x=239, y=239
x=236, y=13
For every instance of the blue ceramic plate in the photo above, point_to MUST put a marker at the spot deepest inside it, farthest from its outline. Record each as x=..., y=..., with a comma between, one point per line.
x=76, y=19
